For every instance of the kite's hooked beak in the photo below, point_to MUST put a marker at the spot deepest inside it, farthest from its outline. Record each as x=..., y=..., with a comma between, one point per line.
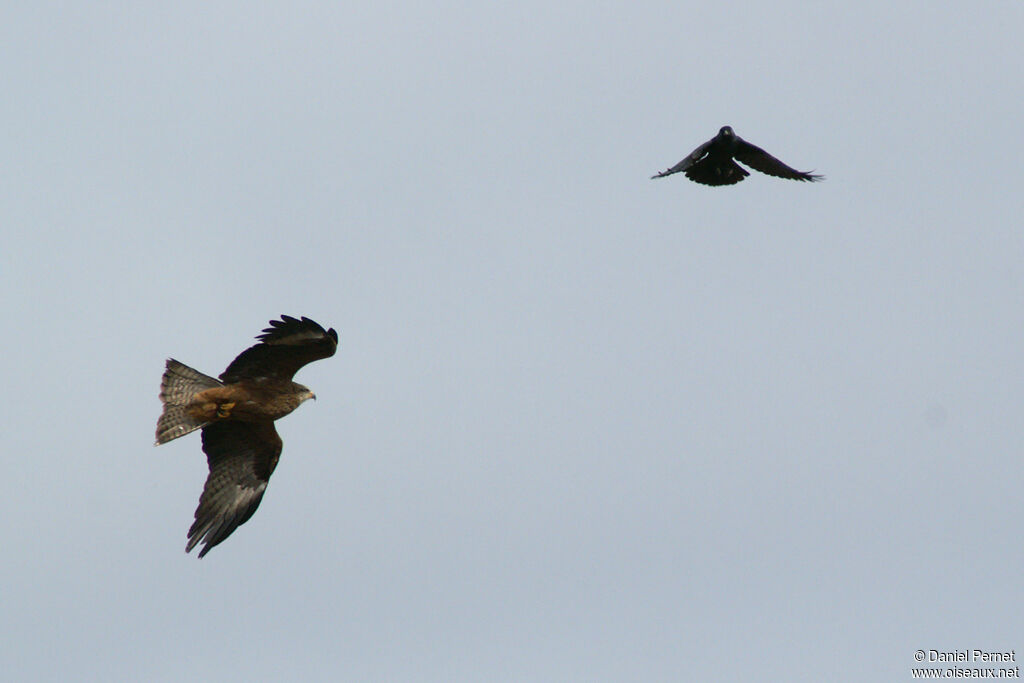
x=312, y=395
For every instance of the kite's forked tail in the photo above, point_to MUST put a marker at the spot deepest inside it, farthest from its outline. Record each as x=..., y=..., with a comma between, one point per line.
x=179, y=384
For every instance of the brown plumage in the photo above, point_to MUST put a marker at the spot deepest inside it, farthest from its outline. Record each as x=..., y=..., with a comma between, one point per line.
x=236, y=414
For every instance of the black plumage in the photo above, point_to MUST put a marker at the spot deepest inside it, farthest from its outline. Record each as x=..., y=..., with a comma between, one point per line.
x=713, y=162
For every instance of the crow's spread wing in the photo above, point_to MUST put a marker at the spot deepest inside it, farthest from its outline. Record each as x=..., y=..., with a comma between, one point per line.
x=686, y=163
x=760, y=160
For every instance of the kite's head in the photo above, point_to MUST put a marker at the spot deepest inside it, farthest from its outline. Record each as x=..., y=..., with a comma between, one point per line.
x=302, y=393
x=726, y=131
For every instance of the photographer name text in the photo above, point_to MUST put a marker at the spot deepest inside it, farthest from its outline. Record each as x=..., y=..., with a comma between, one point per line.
x=965, y=656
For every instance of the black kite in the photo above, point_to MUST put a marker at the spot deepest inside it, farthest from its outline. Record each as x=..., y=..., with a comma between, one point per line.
x=236, y=414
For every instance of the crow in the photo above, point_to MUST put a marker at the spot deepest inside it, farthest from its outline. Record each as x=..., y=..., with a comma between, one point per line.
x=712, y=163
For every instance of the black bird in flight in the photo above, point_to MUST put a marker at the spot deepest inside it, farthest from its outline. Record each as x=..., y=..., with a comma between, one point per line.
x=712, y=163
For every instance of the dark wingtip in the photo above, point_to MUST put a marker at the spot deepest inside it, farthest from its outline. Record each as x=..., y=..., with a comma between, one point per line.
x=205, y=549
x=288, y=325
x=197, y=535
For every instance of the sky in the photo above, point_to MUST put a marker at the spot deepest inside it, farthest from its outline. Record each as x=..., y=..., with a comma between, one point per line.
x=582, y=425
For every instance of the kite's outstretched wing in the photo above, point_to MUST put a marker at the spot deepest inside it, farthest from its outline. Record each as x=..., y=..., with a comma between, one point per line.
x=285, y=346
x=242, y=456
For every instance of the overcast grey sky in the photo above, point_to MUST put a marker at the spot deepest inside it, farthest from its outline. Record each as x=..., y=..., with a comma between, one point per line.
x=582, y=425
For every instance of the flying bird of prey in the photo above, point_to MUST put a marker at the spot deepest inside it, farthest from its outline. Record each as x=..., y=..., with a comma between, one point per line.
x=236, y=414
x=712, y=163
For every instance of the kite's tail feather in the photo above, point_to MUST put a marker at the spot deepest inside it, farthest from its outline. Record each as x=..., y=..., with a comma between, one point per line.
x=180, y=383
